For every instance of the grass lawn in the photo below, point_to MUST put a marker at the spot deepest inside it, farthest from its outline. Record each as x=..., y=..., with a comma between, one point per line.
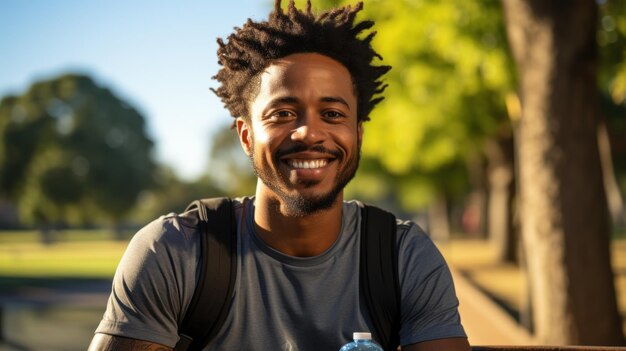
x=83, y=260
x=92, y=254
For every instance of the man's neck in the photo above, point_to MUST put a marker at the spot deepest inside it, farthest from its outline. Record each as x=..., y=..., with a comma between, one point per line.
x=301, y=236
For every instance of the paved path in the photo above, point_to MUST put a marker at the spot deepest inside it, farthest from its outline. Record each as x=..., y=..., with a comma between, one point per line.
x=485, y=322
x=44, y=317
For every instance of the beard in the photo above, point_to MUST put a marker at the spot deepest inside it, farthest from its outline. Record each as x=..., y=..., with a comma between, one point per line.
x=298, y=205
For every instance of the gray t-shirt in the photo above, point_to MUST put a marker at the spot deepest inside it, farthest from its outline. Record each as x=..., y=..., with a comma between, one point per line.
x=280, y=302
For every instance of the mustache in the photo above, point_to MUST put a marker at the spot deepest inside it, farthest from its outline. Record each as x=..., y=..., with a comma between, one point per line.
x=301, y=148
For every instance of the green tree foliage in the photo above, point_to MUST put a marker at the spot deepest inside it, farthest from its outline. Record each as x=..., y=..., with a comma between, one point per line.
x=230, y=168
x=451, y=76
x=171, y=194
x=72, y=152
x=612, y=43
x=228, y=174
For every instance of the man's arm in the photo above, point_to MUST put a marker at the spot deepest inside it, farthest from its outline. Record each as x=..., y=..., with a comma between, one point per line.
x=105, y=342
x=449, y=344
x=145, y=302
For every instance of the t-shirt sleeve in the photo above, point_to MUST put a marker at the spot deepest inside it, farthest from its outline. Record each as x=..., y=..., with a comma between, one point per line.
x=429, y=306
x=153, y=284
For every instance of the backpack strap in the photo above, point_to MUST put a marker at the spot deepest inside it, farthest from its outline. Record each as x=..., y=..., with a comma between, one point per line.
x=379, y=282
x=211, y=299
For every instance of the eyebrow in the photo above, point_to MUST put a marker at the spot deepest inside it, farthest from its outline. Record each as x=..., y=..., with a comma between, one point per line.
x=294, y=100
x=335, y=99
x=284, y=100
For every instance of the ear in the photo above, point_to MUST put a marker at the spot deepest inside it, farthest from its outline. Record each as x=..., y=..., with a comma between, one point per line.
x=245, y=135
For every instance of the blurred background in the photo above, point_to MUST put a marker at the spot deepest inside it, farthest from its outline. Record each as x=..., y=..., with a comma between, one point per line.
x=502, y=132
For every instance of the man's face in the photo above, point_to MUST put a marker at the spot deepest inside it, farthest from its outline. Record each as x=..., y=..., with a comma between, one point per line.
x=302, y=135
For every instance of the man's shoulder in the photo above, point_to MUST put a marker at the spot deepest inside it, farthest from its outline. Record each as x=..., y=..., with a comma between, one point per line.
x=185, y=223
x=167, y=232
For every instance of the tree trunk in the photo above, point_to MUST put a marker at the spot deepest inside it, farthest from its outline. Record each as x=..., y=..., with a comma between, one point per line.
x=46, y=234
x=564, y=215
x=614, y=196
x=438, y=223
x=475, y=213
x=500, y=172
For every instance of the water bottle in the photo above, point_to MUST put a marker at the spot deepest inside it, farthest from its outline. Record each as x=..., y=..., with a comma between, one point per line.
x=362, y=341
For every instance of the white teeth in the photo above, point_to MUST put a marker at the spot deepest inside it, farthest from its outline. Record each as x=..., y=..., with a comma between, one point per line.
x=308, y=164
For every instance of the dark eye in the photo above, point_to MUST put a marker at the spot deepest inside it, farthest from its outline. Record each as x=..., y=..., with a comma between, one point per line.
x=332, y=114
x=281, y=115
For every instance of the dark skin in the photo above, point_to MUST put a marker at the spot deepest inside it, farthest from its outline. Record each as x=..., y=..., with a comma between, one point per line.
x=300, y=102
x=304, y=99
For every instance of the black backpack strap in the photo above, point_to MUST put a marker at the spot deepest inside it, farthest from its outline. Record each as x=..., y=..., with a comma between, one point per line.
x=211, y=299
x=379, y=282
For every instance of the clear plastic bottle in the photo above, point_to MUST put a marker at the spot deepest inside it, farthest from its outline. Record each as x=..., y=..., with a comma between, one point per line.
x=362, y=341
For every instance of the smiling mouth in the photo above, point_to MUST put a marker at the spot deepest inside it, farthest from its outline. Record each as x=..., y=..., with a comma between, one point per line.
x=307, y=164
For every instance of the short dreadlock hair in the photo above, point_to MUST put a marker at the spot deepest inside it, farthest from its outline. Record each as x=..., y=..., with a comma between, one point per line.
x=333, y=33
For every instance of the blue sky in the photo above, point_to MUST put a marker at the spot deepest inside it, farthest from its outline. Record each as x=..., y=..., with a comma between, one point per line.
x=158, y=55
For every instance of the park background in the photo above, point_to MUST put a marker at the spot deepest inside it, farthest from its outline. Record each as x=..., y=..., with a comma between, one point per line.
x=502, y=132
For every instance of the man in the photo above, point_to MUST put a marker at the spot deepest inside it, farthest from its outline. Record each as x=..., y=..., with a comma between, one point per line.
x=300, y=87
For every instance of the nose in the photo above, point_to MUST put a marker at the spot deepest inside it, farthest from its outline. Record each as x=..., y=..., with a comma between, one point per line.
x=310, y=130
